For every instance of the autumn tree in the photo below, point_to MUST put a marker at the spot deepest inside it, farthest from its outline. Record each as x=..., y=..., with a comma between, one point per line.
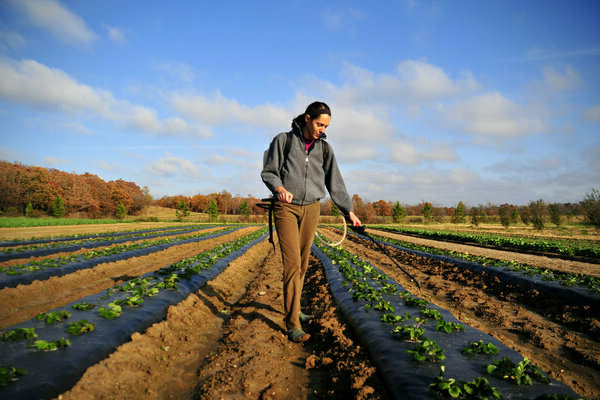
x=382, y=208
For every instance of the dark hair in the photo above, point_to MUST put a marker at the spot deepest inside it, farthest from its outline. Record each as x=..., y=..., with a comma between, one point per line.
x=313, y=110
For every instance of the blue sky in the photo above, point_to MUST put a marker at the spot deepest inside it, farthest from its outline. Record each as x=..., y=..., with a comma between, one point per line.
x=442, y=101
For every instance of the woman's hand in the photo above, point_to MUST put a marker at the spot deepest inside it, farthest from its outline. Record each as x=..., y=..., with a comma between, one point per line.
x=354, y=219
x=283, y=195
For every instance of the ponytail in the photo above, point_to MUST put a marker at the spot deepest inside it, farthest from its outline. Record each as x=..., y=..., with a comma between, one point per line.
x=313, y=110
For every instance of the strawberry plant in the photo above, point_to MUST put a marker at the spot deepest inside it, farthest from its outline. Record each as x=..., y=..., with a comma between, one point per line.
x=445, y=387
x=522, y=374
x=43, y=345
x=449, y=327
x=480, y=388
x=409, y=333
x=431, y=313
x=80, y=327
x=392, y=319
x=83, y=306
x=10, y=373
x=428, y=350
x=19, y=334
x=113, y=311
x=480, y=348
x=53, y=316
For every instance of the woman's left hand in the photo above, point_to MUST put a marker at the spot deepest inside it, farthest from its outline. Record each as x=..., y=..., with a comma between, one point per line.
x=354, y=219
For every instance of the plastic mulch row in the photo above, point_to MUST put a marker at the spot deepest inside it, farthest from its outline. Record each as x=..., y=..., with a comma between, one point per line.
x=406, y=378
x=10, y=281
x=88, y=245
x=26, y=242
x=52, y=373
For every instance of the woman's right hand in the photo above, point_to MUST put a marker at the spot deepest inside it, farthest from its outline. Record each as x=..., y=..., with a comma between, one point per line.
x=283, y=195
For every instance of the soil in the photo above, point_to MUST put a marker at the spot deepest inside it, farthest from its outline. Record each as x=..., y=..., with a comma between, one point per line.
x=228, y=340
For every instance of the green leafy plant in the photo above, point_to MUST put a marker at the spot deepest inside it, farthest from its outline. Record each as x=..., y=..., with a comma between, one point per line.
x=80, y=327
x=83, y=306
x=428, y=350
x=480, y=388
x=449, y=327
x=410, y=333
x=384, y=305
x=43, y=345
x=445, y=387
x=480, y=348
x=18, y=334
x=522, y=373
x=53, y=316
x=113, y=311
x=391, y=318
x=10, y=373
x=431, y=313
x=412, y=301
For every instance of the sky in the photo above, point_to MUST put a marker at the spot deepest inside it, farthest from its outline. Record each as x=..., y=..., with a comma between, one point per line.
x=479, y=101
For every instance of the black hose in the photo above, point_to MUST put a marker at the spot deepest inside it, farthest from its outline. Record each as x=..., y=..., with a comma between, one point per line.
x=362, y=231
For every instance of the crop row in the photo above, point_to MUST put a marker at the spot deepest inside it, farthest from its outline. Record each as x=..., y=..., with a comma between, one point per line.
x=47, y=355
x=39, y=269
x=591, y=283
x=85, y=236
x=564, y=248
x=416, y=344
x=40, y=250
x=27, y=246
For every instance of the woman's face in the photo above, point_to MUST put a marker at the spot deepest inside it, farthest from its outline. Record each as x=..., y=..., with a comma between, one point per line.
x=315, y=127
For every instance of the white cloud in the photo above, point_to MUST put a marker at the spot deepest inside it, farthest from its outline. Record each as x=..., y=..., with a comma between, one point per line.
x=220, y=110
x=115, y=34
x=58, y=20
x=53, y=161
x=561, y=80
x=11, y=40
x=494, y=115
x=169, y=166
x=36, y=85
x=592, y=113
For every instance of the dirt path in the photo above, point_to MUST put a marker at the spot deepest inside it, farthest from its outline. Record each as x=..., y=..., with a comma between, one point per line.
x=562, y=340
x=228, y=341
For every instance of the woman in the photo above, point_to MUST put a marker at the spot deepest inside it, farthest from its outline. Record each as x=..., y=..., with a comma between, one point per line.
x=297, y=172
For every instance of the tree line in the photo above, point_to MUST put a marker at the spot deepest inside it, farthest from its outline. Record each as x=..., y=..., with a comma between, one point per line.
x=37, y=191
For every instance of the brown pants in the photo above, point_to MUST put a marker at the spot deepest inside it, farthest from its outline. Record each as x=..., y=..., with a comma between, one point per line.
x=296, y=226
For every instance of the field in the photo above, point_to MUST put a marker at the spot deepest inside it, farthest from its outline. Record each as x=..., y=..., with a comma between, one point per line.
x=221, y=333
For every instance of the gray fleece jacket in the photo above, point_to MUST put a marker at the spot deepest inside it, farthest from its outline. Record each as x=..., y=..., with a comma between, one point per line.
x=304, y=174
